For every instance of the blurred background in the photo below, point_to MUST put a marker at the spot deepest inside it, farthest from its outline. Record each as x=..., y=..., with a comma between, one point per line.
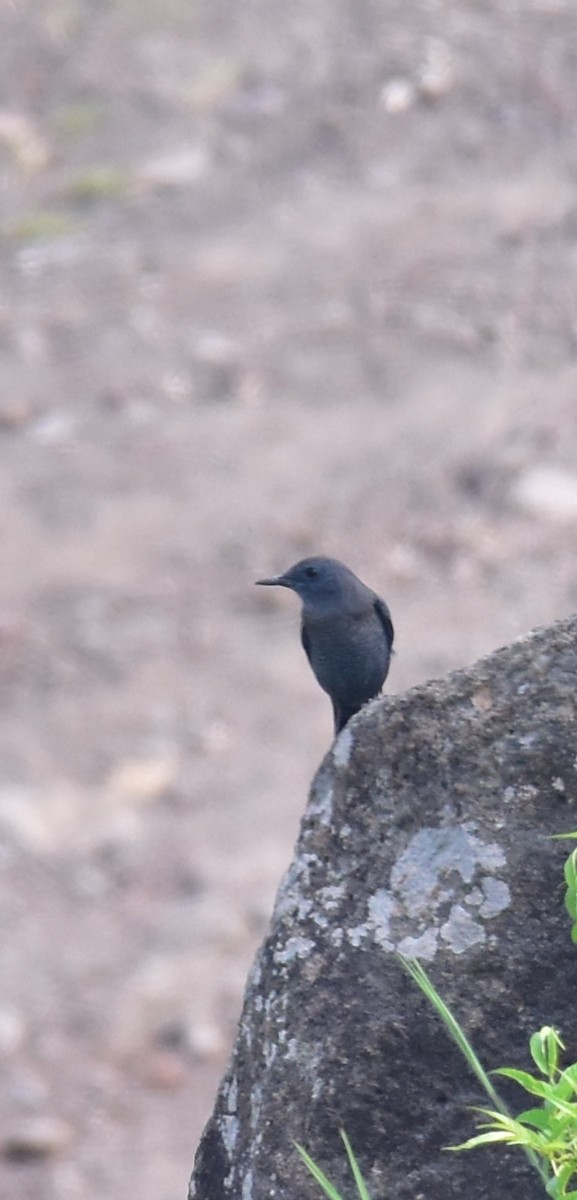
x=275, y=279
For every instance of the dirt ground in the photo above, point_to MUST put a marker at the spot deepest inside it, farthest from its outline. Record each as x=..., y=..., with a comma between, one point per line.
x=275, y=279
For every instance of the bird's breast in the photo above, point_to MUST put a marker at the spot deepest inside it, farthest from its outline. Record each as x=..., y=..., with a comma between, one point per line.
x=349, y=655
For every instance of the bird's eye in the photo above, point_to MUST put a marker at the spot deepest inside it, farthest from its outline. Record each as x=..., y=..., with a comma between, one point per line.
x=311, y=572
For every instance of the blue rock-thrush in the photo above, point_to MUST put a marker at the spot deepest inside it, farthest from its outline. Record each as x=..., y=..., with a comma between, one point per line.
x=346, y=631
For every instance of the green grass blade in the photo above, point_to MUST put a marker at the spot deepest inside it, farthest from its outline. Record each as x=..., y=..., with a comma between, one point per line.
x=483, y=1139
x=329, y=1188
x=361, y=1185
x=419, y=976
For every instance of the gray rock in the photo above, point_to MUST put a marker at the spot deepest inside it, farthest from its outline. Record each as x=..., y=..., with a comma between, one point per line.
x=427, y=832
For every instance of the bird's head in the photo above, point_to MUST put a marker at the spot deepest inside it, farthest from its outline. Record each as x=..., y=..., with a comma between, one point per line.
x=321, y=583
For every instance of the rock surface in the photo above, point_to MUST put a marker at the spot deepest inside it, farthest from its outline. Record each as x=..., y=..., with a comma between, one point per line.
x=428, y=831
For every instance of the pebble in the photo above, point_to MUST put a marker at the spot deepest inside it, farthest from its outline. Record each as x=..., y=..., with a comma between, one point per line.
x=163, y=1070
x=142, y=780
x=549, y=491
x=206, y=1042
x=53, y=427
x=398, y=95
x=15, y=413
x=36, y=1138
x=23, y=139
x=178, y=168
x=436, y=76
x=12, y=1031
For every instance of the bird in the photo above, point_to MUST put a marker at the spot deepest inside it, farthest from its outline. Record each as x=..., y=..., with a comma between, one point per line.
x=346, y=632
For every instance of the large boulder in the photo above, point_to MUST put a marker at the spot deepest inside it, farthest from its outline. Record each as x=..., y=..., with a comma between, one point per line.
x=428, y=831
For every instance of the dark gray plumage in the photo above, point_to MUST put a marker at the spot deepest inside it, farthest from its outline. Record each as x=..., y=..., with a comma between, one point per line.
x=346, y=631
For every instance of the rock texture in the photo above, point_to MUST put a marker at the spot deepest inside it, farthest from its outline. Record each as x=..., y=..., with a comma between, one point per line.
x=427, y=832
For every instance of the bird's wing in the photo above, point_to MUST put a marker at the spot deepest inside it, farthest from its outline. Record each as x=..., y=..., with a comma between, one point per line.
x=385, y=619
x=306, y=644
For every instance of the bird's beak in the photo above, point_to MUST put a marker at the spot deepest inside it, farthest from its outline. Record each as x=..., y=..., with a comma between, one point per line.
x=274, y=581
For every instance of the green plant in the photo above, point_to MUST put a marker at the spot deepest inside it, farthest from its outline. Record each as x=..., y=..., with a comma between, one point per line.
x=570, y=873
x=549, y=1131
